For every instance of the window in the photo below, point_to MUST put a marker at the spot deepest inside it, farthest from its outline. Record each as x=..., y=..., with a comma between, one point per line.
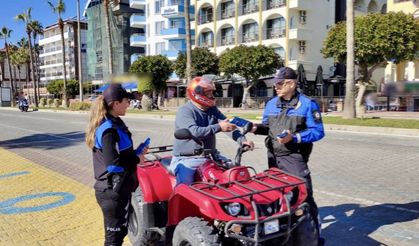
x=303, y=17
x=302, y=46
x=159, y=27
x=157, y=7
x=160, y=47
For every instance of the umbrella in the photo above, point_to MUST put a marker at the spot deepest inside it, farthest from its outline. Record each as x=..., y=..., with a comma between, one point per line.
x=301, y=79
x=130, y=86
x=102, y=88
x=319, y=82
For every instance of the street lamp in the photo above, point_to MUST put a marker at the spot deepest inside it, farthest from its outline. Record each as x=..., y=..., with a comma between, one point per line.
x=79, y=51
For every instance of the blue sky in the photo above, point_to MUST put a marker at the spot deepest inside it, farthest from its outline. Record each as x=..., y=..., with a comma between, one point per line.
x=41, y=11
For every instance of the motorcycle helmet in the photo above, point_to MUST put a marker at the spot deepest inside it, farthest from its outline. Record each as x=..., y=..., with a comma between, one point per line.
x=198, y=89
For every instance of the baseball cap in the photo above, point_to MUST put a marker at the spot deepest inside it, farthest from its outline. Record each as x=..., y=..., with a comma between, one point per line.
x=115, y=92
x=283, y=74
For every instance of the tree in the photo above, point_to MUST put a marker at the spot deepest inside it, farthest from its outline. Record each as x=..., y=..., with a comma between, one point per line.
x=59, y=9
x=251, y=63
x=56, y=88
x=18, y=57
x=158, y=67
x=203, y=60
x=378, y=38
x=26, y=18
x=36, y=29
x=2, y=59
x=5, y=34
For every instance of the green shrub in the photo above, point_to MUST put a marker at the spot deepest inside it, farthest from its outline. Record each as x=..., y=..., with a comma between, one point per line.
x=50, y=101
x=57, y=102
x=42, y=102
x=75, y=106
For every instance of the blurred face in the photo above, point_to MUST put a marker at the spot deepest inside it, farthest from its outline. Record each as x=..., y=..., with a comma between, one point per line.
x=120, y=108
x=286, y=88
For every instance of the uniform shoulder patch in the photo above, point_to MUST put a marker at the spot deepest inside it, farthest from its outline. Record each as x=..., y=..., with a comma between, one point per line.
x=317, y=116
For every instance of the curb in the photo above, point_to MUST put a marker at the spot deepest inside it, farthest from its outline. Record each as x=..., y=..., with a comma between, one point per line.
x=373, y=130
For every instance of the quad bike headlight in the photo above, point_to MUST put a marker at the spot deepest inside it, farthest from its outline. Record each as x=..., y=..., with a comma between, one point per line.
x=233, y=208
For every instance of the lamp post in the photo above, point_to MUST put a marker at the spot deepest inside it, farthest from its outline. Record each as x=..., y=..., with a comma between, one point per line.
x=79, y=52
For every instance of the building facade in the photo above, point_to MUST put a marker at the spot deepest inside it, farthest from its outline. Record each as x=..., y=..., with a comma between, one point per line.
x=408, y=70
x=51, y=52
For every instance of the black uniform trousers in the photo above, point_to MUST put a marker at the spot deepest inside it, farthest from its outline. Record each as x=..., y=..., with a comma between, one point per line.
x=115, y=209
x=296, y=164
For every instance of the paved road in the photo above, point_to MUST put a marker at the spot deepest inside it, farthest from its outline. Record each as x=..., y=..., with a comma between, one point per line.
x=366, y=185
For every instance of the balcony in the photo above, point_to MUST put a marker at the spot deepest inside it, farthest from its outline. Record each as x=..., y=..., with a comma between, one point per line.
x=227, y=13
x=138, y=40
x=249, y=8
x=137, y=21
x=176, y=11
x=207, y=43
x=273, y=4
x=250, y=37
x=300, y=4
x=272, y=33
x=205, y=18
x=137, y=4
x=299, y=34
x=175, y=33
x=227, y=40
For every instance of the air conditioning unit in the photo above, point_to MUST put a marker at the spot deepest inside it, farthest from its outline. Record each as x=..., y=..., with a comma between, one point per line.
x=283, y=32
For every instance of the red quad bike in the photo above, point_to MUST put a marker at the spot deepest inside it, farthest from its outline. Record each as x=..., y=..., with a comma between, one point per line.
x=225, y=206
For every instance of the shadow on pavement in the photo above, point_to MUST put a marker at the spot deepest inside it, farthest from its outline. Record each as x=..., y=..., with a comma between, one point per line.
x=44, y=141
x=351, y=224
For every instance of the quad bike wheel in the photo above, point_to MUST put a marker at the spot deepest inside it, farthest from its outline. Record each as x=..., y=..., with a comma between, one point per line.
x=137, y=234
x=194, y=231
x=305, y=234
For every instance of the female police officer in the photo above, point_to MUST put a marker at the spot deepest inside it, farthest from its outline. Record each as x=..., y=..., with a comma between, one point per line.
x=114, y=160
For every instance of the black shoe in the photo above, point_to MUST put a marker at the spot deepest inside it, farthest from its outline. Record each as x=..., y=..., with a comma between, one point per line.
x=322, y=241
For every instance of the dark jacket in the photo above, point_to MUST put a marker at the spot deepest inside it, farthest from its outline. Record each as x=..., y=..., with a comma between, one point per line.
x=300, y=115
x=113, y=154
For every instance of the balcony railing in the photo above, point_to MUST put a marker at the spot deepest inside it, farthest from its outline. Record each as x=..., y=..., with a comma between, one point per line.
x=227, y=40
x=250, y=37
x=207, y=43
x=227, y=13
x=275, y=4
x=272, y=33
x=249, y=8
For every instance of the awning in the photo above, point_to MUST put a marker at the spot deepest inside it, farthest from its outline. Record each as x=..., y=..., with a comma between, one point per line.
x=127, y=86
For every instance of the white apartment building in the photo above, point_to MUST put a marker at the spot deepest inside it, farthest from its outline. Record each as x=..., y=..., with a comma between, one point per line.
x=155, y=30
x=294, y=28
x=51, y=52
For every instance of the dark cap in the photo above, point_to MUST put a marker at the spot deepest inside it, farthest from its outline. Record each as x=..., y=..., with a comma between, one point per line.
x=115, y=92
x=283, y=74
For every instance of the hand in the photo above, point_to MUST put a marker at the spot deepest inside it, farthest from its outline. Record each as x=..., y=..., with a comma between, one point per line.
x=227, y=126
x=254, y=128
x=142, y=156
x=286, y=139
x=249, y=143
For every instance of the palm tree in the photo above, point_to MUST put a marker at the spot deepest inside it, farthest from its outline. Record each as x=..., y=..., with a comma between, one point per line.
x=26, y=18
x=188, y=41
x=59, y=8
x=106, y=4
x=5, y=34
x=14, y=60
x=349, y=109
x=37, y=29
x=2, y=59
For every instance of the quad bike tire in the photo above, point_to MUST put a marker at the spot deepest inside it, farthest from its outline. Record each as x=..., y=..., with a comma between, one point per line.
x=305, y=234
x=194, y=231
x=137, y=234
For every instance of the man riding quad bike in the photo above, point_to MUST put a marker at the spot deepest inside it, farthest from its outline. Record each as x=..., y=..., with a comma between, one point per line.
x=223, y=206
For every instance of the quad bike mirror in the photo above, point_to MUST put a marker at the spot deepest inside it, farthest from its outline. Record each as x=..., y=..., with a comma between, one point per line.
x=185, y=134
x=247, y=128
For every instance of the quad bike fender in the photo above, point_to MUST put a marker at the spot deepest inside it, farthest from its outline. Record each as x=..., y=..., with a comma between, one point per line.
x=155, y=182
x=186, y=202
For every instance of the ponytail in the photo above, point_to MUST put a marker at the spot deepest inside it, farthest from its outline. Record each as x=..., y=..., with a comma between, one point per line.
x=97, y=114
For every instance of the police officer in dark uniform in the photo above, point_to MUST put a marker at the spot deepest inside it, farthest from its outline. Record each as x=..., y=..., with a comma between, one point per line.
x=292, y=122
x=114, y=160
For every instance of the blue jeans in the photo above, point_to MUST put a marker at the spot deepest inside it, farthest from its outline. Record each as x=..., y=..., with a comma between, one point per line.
x=184, y=168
